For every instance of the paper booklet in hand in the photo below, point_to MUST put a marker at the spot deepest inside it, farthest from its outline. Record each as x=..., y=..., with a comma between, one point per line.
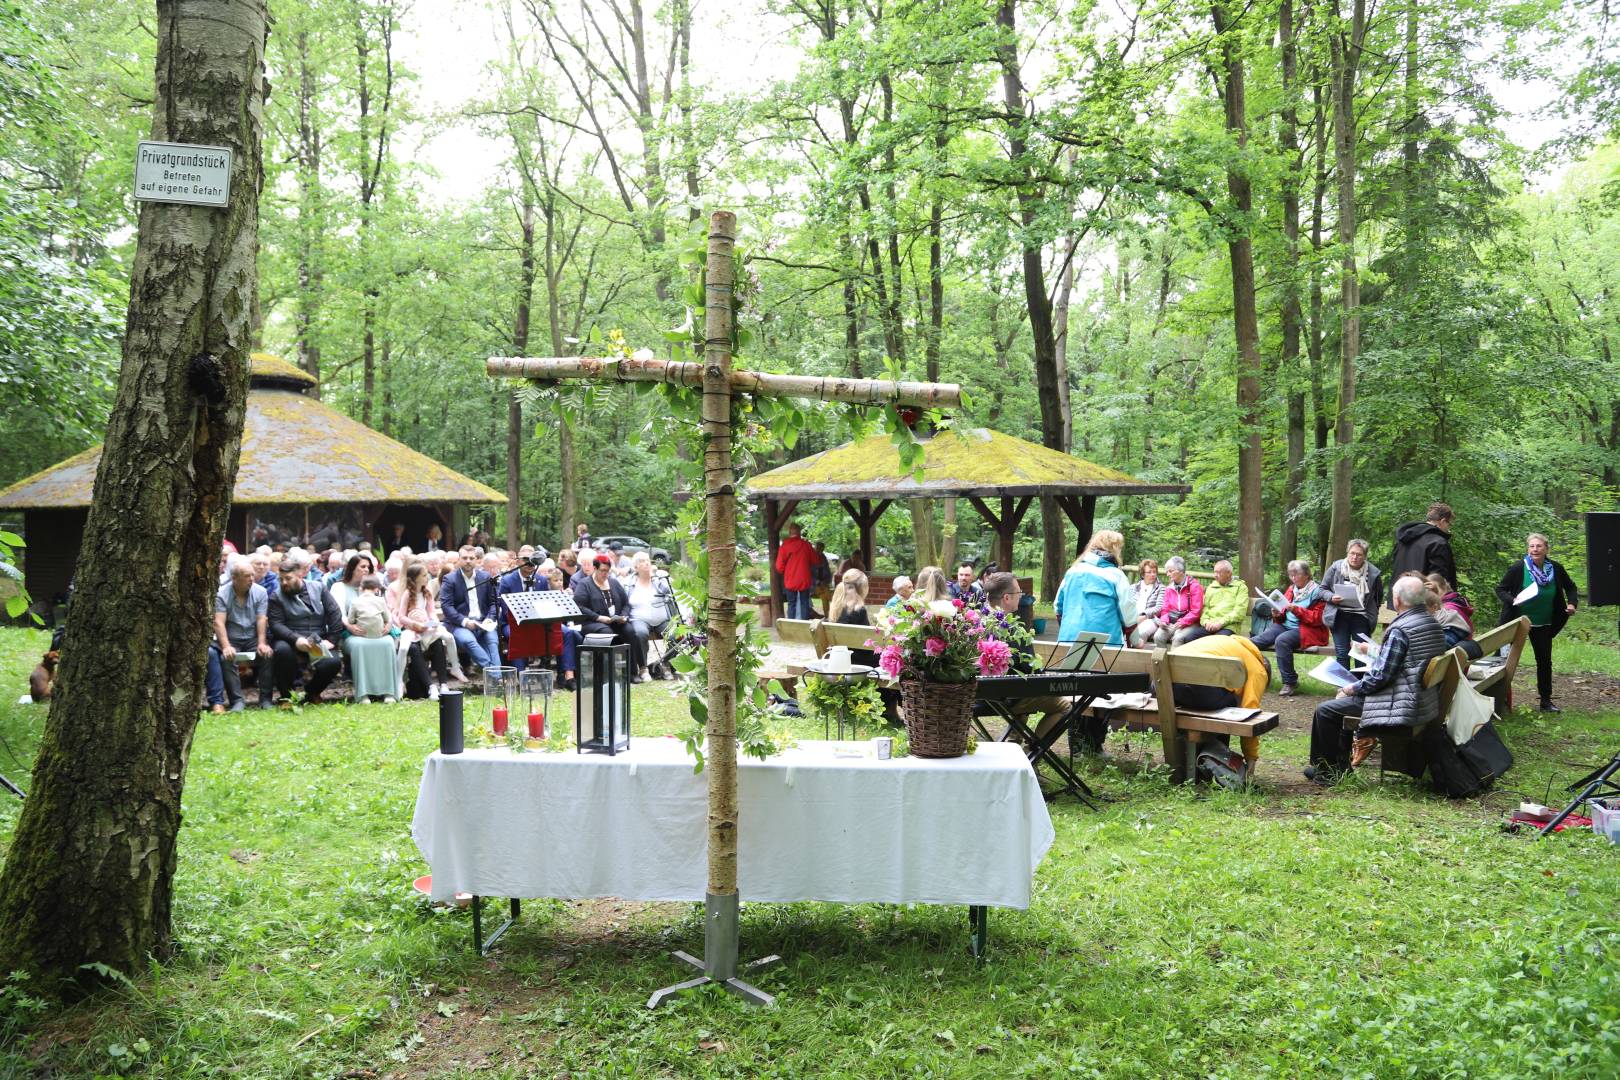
x=1276, y=598
x=1349, y=597
x=1332, y=673
x=1527, y=594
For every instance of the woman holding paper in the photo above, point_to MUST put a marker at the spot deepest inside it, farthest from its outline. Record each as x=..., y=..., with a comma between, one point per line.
x=1540, y=589
x=1296, y=625
x=1354, y=591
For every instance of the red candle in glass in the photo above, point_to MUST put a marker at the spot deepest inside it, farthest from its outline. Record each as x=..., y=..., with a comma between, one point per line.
x=500, y=721
x=537, y=725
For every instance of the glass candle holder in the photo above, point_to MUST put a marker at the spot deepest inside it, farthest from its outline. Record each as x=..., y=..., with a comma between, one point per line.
x=536, y=686
x=500, y=696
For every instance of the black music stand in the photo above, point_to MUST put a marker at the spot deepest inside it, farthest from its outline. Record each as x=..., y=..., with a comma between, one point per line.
x=1598, y=783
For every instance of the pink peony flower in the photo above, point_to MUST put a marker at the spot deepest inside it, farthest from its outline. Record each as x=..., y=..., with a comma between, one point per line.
x=890, y=661
x=959, y=604
x=934, y=646
x=971, y=616
x=994, y=657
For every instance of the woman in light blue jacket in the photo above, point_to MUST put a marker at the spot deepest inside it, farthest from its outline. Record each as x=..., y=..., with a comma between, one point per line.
x=1095, y=597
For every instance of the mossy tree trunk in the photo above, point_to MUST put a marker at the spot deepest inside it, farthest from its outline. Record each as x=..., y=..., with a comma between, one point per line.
x=91, y=868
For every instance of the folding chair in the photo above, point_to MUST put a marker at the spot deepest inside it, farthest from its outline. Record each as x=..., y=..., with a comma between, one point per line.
x=659, y=647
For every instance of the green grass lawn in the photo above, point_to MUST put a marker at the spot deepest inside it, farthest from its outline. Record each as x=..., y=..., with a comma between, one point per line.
x=1374, y=930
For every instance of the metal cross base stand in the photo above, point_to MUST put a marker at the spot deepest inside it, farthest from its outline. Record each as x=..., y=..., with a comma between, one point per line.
x=720, y=949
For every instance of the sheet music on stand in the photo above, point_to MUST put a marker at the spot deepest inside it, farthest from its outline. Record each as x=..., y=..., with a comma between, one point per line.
x=541, y=607
x=1086, y=646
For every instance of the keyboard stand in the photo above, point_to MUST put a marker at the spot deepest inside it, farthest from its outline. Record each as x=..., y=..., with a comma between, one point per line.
x=1041, y=750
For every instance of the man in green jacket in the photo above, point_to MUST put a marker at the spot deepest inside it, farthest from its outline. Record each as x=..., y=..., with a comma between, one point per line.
x=1226, y=605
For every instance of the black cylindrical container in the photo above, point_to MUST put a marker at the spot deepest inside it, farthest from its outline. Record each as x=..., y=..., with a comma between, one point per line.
x=450, y=732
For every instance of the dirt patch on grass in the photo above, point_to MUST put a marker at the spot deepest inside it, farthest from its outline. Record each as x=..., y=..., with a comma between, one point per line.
x=486, y=1024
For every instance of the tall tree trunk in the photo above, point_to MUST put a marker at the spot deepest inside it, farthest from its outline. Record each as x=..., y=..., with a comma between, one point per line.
x=520, y=347
x=1245, y=320
x=1346, y=56
x=1288, y=543
x=891, y=214
x=1060, y=330
x=947, y=546
x=310, y=215
x=370, y=171
x=1035, y=293
x=1315, y=342
x=922, y=510
x=90, y=872
x=567, y=470
x=852, y=312
x=682, y=18
x=385, y=365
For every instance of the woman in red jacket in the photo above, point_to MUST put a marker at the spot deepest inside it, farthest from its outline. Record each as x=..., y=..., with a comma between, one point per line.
x=1298, y=625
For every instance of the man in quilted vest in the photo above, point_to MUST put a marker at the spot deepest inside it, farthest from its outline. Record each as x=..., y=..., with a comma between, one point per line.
x=1391, y=694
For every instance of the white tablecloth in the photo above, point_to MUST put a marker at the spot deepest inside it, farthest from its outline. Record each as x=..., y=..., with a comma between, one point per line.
x=813, y=826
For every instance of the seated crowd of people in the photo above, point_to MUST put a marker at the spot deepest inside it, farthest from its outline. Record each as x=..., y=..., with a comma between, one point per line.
x=416, y=624
x=1169, y=607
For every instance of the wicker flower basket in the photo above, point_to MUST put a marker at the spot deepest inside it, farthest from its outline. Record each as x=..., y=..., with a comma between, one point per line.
x=938, y=716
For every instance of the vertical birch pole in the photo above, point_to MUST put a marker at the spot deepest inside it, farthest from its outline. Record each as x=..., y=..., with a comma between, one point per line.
x=719, y=492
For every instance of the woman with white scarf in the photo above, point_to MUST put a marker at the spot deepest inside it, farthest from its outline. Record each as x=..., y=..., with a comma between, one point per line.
x=1345, y=619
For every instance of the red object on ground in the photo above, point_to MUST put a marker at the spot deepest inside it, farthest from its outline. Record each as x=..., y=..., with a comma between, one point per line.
x=424, y=885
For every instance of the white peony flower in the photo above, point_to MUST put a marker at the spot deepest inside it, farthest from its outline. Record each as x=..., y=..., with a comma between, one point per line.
x=946, y=608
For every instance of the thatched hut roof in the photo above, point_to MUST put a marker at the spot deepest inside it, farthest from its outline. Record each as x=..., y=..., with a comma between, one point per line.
x=958, y=462
x=295, y=450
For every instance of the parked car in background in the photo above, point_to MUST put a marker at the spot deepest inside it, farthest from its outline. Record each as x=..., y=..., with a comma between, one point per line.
x=633, y=544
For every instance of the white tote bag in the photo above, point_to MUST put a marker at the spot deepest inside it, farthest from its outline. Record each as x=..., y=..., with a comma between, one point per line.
x=1470, y=710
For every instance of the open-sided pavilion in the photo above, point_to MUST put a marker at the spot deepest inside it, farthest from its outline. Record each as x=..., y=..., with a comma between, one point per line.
x=998, y=474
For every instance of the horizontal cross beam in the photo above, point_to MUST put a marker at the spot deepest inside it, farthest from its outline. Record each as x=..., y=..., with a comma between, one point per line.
x=759, y=383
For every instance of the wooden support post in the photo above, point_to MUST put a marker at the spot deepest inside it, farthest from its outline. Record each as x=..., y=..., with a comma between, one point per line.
x=867, y=520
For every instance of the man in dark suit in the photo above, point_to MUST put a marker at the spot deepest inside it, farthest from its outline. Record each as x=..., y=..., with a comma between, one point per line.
x=472, y=609
x=304, y=624
x=606, y=610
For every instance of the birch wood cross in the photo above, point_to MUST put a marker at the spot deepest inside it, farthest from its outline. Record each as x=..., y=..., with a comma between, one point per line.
x=719, y=382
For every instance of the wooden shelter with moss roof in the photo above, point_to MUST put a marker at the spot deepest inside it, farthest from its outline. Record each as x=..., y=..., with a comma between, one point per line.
x=308, y=476
x=1000, y=475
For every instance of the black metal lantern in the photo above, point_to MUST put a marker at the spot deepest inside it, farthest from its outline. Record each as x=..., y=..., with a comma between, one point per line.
x=602, y=705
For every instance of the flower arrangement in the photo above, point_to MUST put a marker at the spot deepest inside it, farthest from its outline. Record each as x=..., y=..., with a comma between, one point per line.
x=949, y=641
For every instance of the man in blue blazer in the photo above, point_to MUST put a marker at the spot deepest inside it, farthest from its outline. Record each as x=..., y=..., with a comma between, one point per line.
x=472, y=610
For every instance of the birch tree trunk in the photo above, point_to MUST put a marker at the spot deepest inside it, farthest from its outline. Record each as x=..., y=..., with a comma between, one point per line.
x=90, y=872
x=719, y=490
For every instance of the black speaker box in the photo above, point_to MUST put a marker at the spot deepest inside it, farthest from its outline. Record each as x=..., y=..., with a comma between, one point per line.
x=1603, y=558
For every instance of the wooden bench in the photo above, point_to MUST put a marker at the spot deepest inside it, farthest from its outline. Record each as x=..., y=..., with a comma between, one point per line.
x=1401, y=750
x=820, y=635
x=1167, y=667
